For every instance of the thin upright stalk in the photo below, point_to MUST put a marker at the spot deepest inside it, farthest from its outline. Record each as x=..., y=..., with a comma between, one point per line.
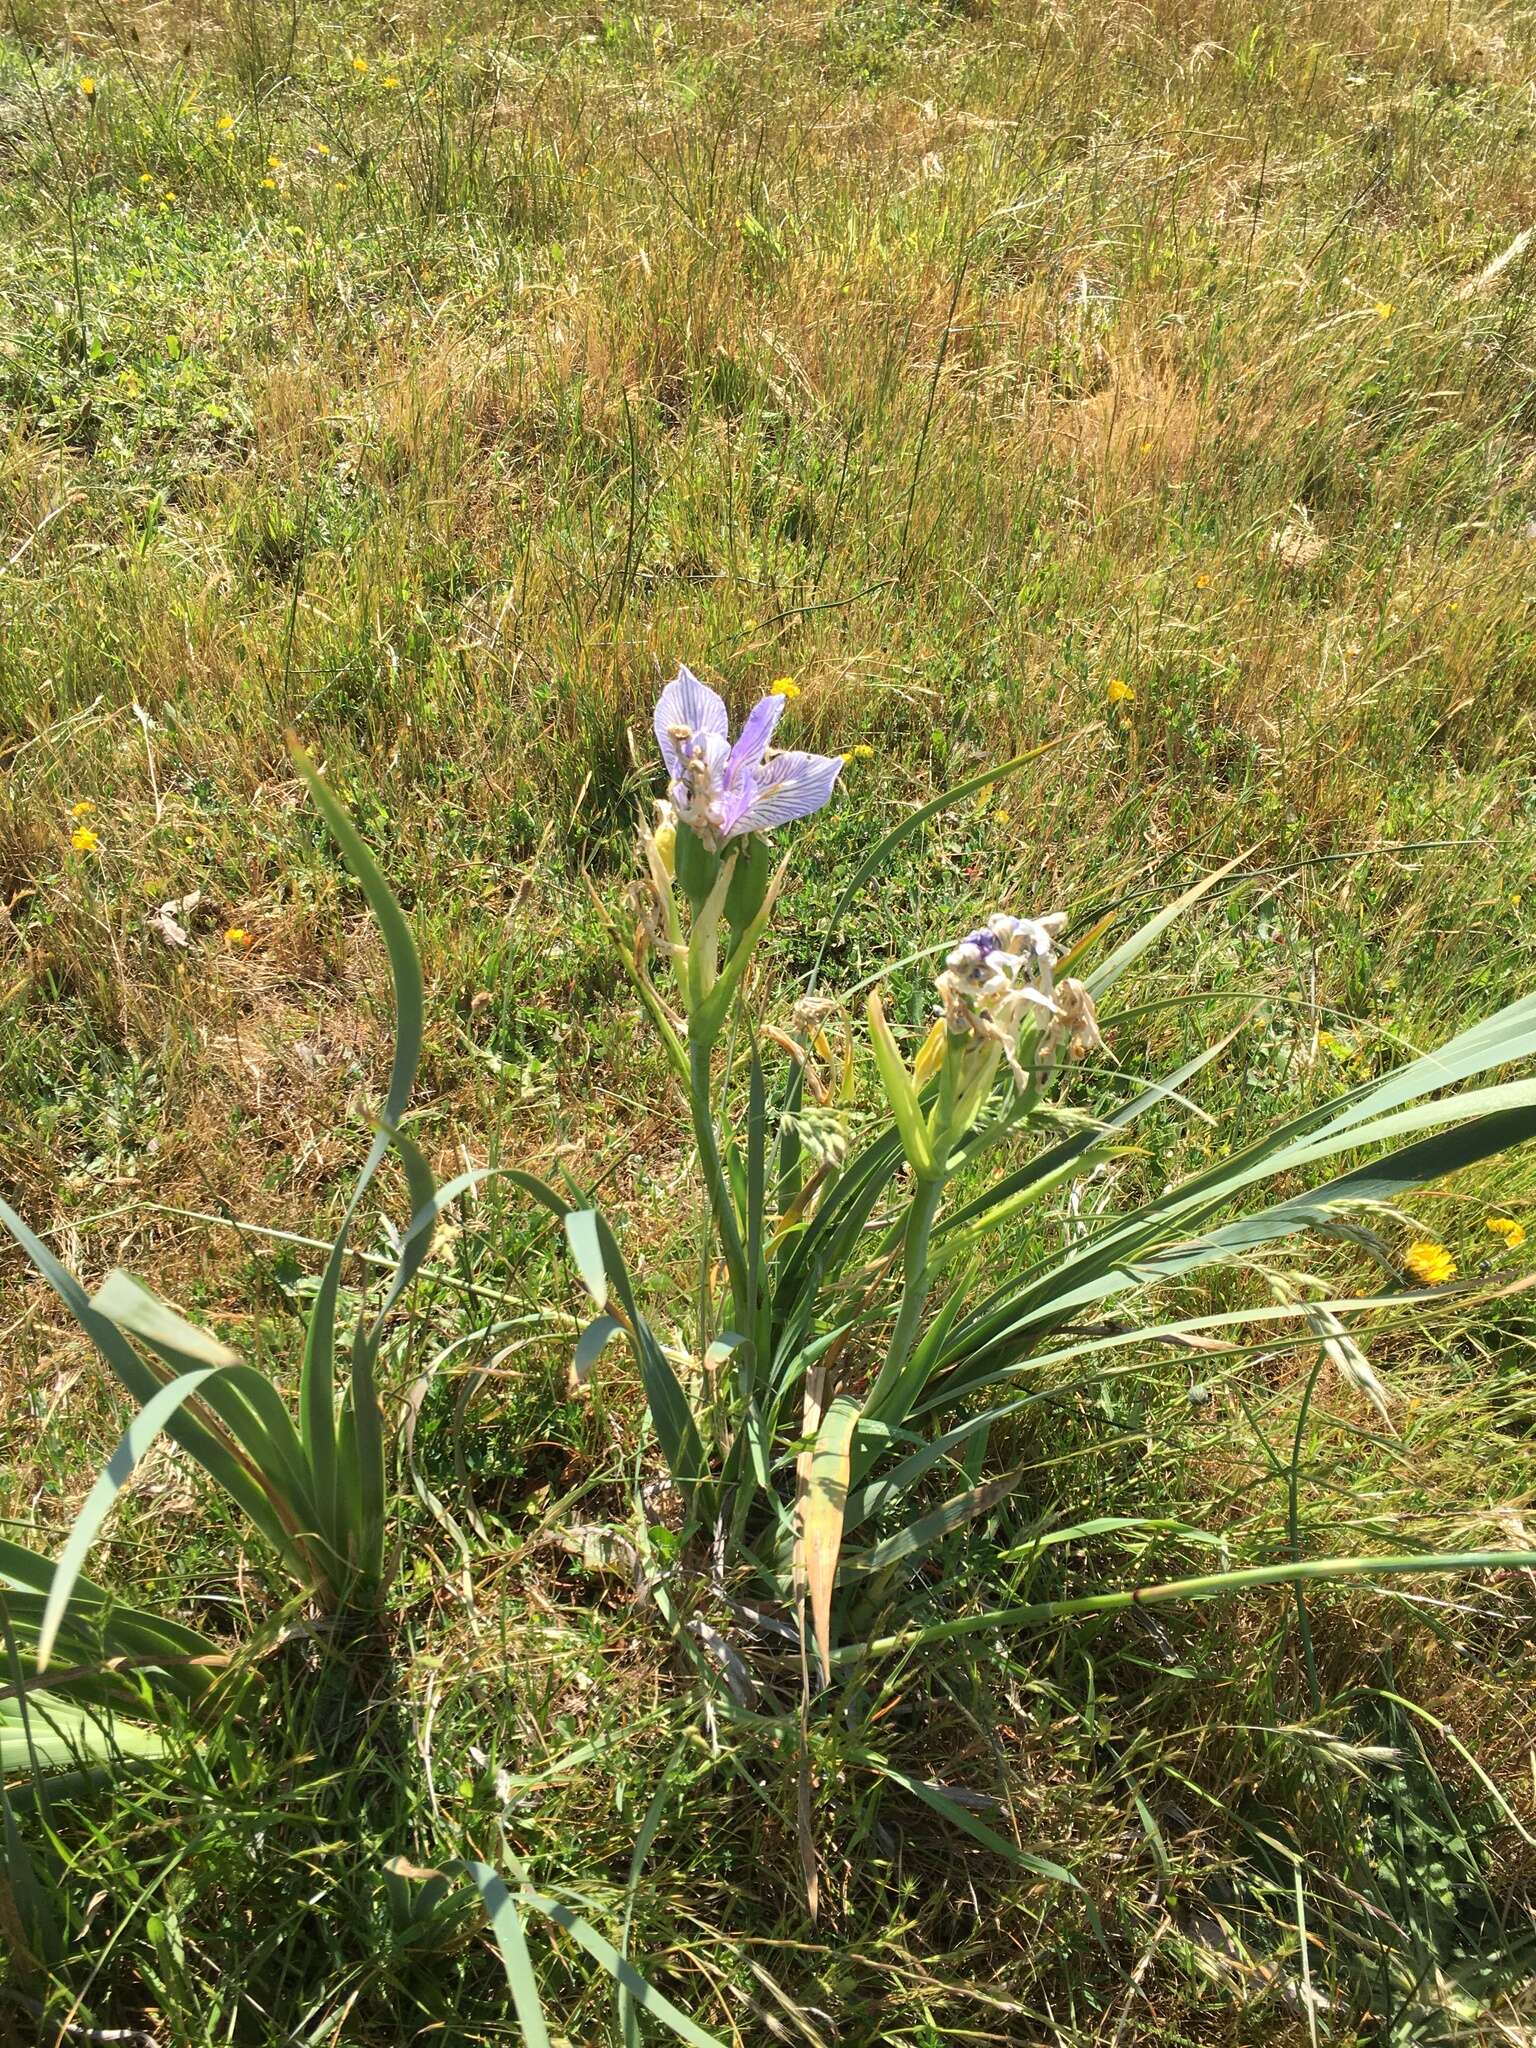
x=720, y=1197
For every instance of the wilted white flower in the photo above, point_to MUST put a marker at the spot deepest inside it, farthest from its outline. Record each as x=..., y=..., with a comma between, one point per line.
x=1003, y=977
x=169, y=921
x=1076, y=1020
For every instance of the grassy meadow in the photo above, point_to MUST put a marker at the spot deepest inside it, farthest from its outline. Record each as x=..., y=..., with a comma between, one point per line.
x=431, y=381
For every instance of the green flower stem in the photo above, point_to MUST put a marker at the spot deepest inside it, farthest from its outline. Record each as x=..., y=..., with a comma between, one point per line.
x=715, y=1180
x=1192, y=1589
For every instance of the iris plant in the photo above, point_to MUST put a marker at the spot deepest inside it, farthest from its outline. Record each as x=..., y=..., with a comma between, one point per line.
x=893, y=1286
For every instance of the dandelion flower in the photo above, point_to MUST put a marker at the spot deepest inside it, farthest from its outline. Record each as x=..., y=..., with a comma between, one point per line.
x=390, y=84
x=1429, y=1263
x=83, y=809
x=84, y=840
x=1202, y=581
x=1513, y=1233
x=1120, y=691
x=1385, y=309
x=269, y=184
x=275, y=163
x=359, y=65
x=239, y=939
x=167, y=198
x=88, y=88
x=226, y=123
x=784, y=686
x=146, y=177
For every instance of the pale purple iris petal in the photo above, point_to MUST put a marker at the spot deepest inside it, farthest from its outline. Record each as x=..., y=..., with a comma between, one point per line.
x=789, y=786
x=722, y=791
x=748, y=752
x=687, y=703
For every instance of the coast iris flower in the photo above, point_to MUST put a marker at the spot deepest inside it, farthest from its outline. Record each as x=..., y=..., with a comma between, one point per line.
x=722, y=791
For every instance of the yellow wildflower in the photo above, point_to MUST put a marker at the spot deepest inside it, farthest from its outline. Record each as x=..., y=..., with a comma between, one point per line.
x=391, y=84
x=88, y=88
x=1429, y=1263
x=322, y=149
x=359, y=65
x=1513, y=1233
x=84, y=840
x=1202, y=581
x=1385, y=309
x=275, y=163
x=226, y=123
x=1120, y=691
x=83, y=809
x=146, y=177
x=238, y=937
x=167, y=198
x=269, y=184
x=860, y=753
x=784, y=686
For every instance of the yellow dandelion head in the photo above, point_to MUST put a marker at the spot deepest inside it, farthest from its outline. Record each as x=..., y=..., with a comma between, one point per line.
x=167, y=198
x=1385, y=309
x=1120, y=691
x=359, y=65
x=1429, y=1263
x=88, y=87
x=225, y=123
x=146, y=177
x=784, y=686
x=84, y=840
x=83, y=809
x=269, y=184
x=239, y=939
x=1513, y=1233
x=1202, y=581
x=391, y=84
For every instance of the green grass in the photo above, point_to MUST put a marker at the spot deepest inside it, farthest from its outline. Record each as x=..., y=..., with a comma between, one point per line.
x=955, y=361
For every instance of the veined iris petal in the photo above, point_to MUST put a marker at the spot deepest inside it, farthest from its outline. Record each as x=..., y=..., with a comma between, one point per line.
x=723, y=792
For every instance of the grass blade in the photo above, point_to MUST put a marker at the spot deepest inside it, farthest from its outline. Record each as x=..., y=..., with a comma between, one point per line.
x=137, y=1438
x=512, y=1946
